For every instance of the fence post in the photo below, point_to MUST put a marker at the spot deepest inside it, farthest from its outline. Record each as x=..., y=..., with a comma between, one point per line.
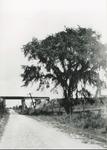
x=23, y=105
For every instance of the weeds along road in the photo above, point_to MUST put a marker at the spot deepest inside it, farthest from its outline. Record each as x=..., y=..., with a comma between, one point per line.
x=24, y=132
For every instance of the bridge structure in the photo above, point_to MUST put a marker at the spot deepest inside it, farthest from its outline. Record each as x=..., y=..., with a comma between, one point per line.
x=22, y=98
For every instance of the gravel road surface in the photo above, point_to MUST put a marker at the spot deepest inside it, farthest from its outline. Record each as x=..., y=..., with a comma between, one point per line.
x=25, y=132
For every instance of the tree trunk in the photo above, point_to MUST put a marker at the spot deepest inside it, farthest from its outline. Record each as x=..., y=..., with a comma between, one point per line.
x=67, y=103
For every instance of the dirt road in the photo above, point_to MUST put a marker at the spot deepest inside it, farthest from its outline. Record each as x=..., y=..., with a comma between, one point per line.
x=24, y=132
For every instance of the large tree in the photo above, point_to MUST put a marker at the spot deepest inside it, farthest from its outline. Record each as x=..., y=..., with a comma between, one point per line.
x=67, y=59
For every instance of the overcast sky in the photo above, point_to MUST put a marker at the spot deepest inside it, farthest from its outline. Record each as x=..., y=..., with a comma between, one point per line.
x=21, y=20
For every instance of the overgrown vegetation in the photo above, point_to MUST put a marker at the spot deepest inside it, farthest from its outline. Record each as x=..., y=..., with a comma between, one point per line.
x=4, y=116
x=3, y=122
x=70, y=59
x=3, y=109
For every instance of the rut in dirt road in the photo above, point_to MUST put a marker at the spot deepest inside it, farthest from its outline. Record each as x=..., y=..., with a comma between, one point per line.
x=24, y=132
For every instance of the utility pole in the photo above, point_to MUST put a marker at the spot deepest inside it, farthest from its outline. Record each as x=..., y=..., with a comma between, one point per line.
x=32, y=100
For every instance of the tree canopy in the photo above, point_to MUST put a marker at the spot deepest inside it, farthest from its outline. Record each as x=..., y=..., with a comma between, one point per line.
x=68, y=58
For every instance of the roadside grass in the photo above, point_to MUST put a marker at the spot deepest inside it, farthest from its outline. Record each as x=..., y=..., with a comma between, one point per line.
x=86, y=124
x=3, y=121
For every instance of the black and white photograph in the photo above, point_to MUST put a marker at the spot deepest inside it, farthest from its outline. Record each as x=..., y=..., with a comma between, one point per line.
x=53, y=74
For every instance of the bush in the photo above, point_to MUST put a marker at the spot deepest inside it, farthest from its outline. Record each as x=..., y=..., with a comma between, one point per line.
x=88, y=120
x=94, y=121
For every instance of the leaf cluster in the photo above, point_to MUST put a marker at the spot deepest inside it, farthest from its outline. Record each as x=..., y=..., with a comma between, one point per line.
x=66, y=58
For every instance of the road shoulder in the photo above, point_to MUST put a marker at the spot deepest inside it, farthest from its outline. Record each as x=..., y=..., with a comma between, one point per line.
x=3, y=122
x=84, y=135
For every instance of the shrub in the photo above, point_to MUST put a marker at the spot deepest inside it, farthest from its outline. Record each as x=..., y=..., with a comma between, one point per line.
x=88, y=120
x=94, y=121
